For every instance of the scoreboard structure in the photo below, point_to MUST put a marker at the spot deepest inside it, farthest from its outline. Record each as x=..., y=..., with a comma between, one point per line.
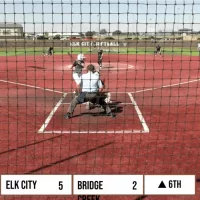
x=97, y=185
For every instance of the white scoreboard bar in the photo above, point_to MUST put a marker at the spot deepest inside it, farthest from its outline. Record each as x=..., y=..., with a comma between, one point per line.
x=169, y=184
x=108, y=184
x=97, y=185
x=36, y=185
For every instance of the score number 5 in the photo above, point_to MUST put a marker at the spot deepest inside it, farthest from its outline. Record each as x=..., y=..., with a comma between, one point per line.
x=134, y=185
x=60, y=185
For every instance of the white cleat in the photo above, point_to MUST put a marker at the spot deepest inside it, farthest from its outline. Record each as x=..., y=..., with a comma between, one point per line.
x=107, y=100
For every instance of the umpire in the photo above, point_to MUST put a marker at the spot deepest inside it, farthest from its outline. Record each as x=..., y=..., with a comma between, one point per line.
x=90, y=88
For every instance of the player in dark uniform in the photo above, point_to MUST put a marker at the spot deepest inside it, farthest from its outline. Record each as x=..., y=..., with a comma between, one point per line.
x=49, y=52
x=94, y=44
x=158, y=50
x=100, y=57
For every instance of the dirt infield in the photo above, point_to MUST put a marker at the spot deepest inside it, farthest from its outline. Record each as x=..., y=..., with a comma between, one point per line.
x=157, y=99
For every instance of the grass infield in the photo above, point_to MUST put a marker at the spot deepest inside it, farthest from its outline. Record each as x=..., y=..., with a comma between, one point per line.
x=112, y=50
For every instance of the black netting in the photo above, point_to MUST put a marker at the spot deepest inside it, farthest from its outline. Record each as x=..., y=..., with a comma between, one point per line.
x=146, y=58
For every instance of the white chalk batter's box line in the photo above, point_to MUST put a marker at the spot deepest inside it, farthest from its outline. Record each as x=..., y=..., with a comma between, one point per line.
x=59, y=103
x=145, y=127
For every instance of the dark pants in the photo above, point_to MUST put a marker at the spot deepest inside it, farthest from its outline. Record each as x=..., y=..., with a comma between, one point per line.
x=157, y=52
x=100, y=62
x=49, y=53
x=94, y=98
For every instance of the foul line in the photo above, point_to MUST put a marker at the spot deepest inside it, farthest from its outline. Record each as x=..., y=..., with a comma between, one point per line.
x=144, y=124
x=32, y=86
x=165, y=86
x=41, y=130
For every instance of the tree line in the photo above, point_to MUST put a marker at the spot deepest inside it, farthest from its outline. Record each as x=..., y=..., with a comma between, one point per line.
x=104, y=32
x=119, y=32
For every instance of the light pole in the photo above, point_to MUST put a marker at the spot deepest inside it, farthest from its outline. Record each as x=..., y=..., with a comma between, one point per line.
x=134, y=29
x=42, y=30
x=71, y=30
x=178, y=18
x=150, y=25
x=99, y=16
x=134, y=23
x=191, y=19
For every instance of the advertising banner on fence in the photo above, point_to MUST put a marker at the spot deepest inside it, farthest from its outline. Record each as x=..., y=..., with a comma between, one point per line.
x=57, y=43
x=98, y=44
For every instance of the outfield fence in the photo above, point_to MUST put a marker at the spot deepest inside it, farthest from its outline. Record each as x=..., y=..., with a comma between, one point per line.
x=99, y=43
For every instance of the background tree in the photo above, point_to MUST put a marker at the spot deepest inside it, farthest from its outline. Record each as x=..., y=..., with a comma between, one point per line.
x=94, y=33
x=46, y=34
x=89, y=33
x=117, y=32
x=103, y=32
x=81, y=34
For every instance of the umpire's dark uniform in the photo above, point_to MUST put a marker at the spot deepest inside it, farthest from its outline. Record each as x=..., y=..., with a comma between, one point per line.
x=90, y=85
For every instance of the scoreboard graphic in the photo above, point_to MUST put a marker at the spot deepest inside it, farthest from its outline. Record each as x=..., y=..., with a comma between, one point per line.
x=97, y=185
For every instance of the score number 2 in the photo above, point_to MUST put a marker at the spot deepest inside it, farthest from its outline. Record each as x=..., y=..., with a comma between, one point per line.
x=134, y=185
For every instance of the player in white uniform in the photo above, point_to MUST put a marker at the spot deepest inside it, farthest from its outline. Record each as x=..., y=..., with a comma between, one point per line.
x=198, y=47
x=77, y=67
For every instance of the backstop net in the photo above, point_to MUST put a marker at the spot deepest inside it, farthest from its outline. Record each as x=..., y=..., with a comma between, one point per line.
x=100, y=87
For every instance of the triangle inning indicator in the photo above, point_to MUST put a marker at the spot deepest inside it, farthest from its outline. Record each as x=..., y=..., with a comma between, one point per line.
x=162, y=185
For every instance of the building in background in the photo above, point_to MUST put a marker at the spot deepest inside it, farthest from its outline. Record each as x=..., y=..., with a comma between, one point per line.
x=187, y=31
x=64, y=35
x=11, y=30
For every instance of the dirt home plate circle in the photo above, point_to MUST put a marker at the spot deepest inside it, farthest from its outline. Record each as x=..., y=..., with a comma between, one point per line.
x=112, y=66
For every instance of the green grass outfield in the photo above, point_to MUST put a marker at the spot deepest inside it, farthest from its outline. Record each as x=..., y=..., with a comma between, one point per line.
x=85, y=50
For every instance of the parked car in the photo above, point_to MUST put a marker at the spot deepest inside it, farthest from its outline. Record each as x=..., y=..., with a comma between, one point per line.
x=74, y=38
x=63, y=38
x=57, y=37
x=127, y=38
x=41, y=38
x=109, y=38
x=89, y=38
